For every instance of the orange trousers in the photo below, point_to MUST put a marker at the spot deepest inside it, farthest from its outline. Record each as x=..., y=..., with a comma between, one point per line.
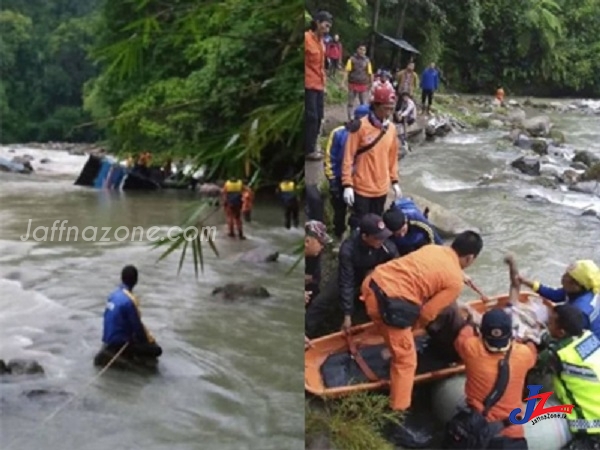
x=402, y=349
x=233, y=215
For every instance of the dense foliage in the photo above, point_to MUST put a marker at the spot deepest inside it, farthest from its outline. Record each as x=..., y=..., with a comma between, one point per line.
x=538, y=47
x=219, y=80
x=222, y=80
x=43, y=67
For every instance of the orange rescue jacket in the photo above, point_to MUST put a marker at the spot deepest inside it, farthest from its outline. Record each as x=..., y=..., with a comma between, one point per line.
x=371, y=173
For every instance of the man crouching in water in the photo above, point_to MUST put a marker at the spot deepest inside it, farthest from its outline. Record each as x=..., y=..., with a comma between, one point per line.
x=123, y=325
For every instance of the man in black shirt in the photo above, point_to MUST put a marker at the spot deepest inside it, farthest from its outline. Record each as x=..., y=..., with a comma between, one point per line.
x=365, y=249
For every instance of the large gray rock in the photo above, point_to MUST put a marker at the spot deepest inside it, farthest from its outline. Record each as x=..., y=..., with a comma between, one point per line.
x=259, y=255
x=587, y=187
x=529, y=165
x=236, y=291
x=21, y=367
x=517, y=115
x=538, y=126
x=447, y=223
x=522, y=141
x=539, y=146
x=15, y=167
x=571, y=176
x=585, y=157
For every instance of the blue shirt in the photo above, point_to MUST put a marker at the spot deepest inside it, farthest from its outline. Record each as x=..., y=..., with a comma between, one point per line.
x=334, y=153
x=588, y=303
x=430, y=79
x=122, y=322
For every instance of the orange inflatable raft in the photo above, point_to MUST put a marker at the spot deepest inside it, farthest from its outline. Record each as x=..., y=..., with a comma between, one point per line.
x=339, y=364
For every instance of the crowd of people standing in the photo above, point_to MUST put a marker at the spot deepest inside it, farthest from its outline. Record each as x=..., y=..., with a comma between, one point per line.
x=394, y=270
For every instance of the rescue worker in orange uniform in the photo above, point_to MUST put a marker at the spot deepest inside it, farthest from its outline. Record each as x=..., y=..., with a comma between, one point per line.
x=410, y=292
x=370, y=163
x=247, y=202
x=481, y=350
x=232, y=202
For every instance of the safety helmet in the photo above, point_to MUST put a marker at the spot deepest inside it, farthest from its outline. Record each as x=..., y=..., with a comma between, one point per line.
x=383, y=94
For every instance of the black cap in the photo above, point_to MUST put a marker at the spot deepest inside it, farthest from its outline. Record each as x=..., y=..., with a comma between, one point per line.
x=394, y=219
x=323, y=16
x=496, y=329
x=373, y=225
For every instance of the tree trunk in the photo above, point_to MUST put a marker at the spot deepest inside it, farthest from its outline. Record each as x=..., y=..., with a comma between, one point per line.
x=374, y=25
x=399, y=34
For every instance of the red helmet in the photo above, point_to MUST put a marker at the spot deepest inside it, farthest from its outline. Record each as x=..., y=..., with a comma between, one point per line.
x=383, y=94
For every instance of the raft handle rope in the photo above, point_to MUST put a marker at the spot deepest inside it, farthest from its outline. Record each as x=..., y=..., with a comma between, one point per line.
x=77, y=395
x=356, y=356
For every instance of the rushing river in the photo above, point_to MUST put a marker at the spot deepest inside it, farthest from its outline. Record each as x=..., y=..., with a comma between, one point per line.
x=545, y=238
x=231, y=373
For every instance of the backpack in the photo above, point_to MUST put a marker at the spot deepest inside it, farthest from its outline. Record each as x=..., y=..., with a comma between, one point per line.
x=469, y=428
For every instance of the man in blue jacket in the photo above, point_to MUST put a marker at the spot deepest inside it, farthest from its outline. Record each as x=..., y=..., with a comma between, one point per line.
x=429, y=83
x=123, y=325
x=411, y=229
x=580, y=288
x=334, y=155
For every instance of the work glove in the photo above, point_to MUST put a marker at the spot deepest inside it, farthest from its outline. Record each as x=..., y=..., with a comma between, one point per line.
x=349, y=196
x=397, y=190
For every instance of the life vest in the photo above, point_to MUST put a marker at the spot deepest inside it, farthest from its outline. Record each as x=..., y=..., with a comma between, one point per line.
x=578, y=382
x=233, y=192
x=420, y=231
x=136, y=303
x=287, y=191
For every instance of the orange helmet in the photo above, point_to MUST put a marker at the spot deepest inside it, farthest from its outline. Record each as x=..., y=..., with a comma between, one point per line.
x=383, y=94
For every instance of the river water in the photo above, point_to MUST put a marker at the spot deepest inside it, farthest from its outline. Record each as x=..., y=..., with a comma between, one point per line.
x=231, y=373
x=545, y=238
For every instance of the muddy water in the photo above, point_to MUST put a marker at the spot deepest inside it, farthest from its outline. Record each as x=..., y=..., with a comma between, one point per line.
x=231, y=374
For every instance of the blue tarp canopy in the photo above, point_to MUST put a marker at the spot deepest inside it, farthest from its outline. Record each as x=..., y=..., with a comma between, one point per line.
x=399, y=43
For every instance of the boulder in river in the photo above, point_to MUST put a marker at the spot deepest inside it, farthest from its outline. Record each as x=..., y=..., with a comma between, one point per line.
x=557, y=136
x=47, y=395
x=438, y=127
x=592, y=174
x=538, y=126
x=235, y=291
x=259, y=255
x=585, y=157
x=587, y=187
x=516, y=116
x=529, y=165
x=534, y=198
x=539, y=146
x=570, y=176
x=579, y=166
x=522, y=140
x=447, y=223
x=21, y=367
x=14, y=167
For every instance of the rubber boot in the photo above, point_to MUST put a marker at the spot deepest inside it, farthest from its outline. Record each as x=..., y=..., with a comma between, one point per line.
x=241, y=236
x=409, y=433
